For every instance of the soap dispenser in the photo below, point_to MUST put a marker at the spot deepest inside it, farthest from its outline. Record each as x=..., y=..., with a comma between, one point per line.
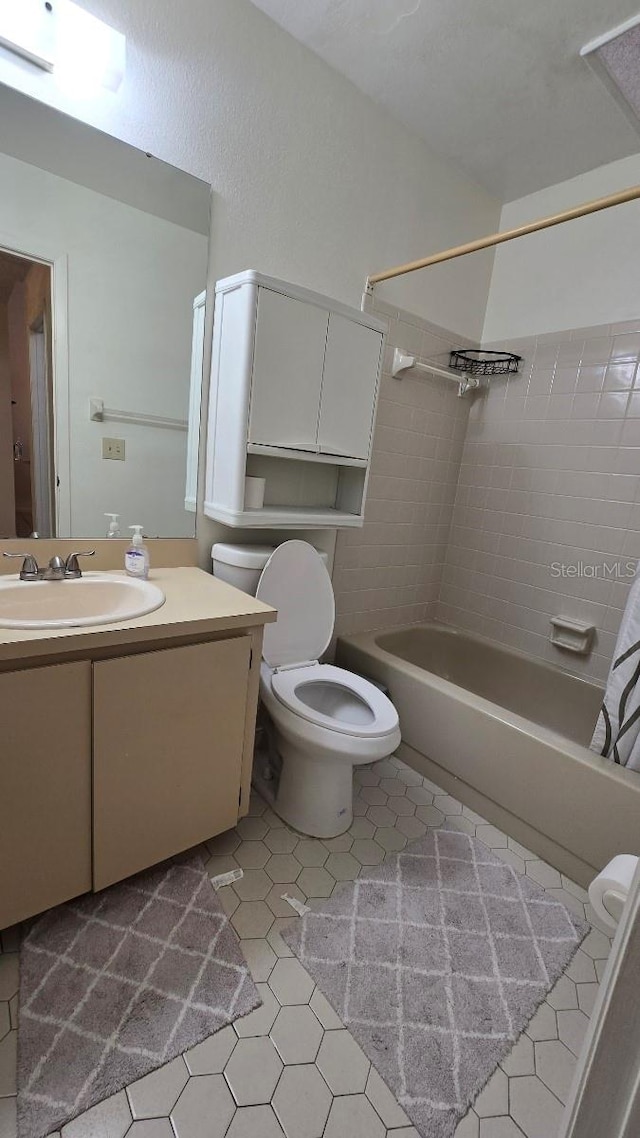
x=136, y=558
x=114, y=528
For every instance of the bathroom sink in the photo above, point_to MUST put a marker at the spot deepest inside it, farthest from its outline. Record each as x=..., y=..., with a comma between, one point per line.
x=95, y=598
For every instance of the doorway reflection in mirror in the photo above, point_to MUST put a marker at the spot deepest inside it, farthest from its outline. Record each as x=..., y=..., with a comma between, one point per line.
x=26, y=421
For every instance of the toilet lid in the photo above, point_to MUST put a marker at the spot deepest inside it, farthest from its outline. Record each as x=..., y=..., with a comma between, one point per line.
x=296, y=583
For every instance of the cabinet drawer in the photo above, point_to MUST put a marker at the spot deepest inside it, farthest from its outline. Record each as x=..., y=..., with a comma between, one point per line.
x=168, y=735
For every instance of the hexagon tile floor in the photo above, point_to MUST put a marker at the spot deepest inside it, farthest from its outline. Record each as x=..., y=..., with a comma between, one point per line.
x=290, y=1069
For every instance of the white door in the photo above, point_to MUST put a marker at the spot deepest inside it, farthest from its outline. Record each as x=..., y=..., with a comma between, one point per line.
x=287, y=372
x=41, y=465
x=351, y=366
x=604, y=1099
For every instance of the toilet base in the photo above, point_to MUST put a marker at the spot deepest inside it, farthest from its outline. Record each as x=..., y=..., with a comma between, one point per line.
x=315, y=795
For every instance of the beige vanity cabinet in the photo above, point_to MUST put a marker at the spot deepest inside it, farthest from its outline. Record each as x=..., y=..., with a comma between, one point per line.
x=45, y=787
x=168, y=733
x=123, y=746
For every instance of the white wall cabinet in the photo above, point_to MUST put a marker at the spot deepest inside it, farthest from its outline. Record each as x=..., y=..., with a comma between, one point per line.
x=294, y=388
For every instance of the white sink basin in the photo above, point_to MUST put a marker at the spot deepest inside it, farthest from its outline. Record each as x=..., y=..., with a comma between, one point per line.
x=95, y=598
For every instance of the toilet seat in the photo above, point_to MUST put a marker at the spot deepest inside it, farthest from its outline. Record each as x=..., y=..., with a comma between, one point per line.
x=335, y=699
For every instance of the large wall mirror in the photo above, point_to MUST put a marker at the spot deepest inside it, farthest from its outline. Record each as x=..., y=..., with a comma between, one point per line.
x=103, y=263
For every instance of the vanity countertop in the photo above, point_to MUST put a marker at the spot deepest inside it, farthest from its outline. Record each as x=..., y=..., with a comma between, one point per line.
x=195, y=604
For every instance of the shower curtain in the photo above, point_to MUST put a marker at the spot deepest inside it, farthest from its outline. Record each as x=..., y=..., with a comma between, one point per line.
x=617, y=731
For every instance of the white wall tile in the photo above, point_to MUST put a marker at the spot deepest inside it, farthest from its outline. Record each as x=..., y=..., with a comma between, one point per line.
x=418, y=446
x=573, y=484
x=472, y=501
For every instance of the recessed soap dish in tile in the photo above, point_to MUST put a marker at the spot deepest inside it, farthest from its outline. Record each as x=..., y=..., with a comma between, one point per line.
x=572, y=635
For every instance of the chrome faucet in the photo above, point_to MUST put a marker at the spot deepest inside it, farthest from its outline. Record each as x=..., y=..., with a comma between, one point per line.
x=54, y=570
x=57, y=570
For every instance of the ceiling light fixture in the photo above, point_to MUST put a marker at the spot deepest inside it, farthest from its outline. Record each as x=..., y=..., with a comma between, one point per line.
x=80, y=50
x=615, y=58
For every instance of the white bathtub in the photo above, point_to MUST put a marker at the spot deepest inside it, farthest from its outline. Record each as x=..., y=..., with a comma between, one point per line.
x=508, y=736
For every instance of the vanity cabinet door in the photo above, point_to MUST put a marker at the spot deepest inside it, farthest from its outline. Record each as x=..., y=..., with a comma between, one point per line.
x=45, y=788
x=168, y=735
x=287, y=372
x=349, y=386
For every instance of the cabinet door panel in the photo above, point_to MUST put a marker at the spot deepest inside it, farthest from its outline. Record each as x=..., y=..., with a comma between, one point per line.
x=352, y=360
x=287, y=372
x=45, y=788
x=167, y=753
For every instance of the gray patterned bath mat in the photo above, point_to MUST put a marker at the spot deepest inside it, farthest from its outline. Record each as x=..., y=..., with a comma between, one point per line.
x=436, y=961
x=115, y=984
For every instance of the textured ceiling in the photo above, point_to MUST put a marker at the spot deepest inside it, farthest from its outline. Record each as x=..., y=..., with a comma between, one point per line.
x=496, y=86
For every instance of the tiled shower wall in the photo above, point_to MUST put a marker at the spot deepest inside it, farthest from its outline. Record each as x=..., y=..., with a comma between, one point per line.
x=389, y=572
x=550, y=477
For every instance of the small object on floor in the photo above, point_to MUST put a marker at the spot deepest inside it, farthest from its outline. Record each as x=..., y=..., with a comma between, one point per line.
x=117, y=983
x=299, y=906
x=435, y=961
x=223, y=879
x=608, y=891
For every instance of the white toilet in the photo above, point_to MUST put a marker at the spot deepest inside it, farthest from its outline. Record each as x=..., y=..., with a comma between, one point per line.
x=325, y=720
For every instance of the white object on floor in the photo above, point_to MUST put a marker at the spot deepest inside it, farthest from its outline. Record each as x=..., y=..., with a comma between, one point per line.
x=617, y=731
x=226, y=878
x=299, y=906
x=325, y=720
x=608, y=891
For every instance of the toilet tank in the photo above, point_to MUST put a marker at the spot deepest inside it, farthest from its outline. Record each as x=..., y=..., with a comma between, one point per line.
x=242, y=565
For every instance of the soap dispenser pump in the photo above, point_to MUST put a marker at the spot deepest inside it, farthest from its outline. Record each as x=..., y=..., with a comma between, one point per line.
x=114, y=528
x=136, y=558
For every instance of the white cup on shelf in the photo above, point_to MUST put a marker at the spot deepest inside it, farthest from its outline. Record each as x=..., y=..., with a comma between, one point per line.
x=254, y=489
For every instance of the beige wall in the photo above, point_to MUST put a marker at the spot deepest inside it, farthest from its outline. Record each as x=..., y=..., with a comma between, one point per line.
x=388, y=573
x=549, y=475
x=165, y=552
x=313, y=182
x=581, y=273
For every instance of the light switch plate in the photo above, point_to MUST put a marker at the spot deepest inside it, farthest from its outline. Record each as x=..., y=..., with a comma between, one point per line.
x=113, y=448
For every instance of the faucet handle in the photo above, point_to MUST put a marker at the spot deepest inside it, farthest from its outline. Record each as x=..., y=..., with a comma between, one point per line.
x=71, y=567
x=29, y=571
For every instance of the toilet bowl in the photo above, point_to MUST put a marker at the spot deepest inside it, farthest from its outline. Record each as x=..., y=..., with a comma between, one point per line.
x=323, y=720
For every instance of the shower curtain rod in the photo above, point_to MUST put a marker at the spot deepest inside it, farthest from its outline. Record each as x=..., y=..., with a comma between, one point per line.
x=629, y=195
